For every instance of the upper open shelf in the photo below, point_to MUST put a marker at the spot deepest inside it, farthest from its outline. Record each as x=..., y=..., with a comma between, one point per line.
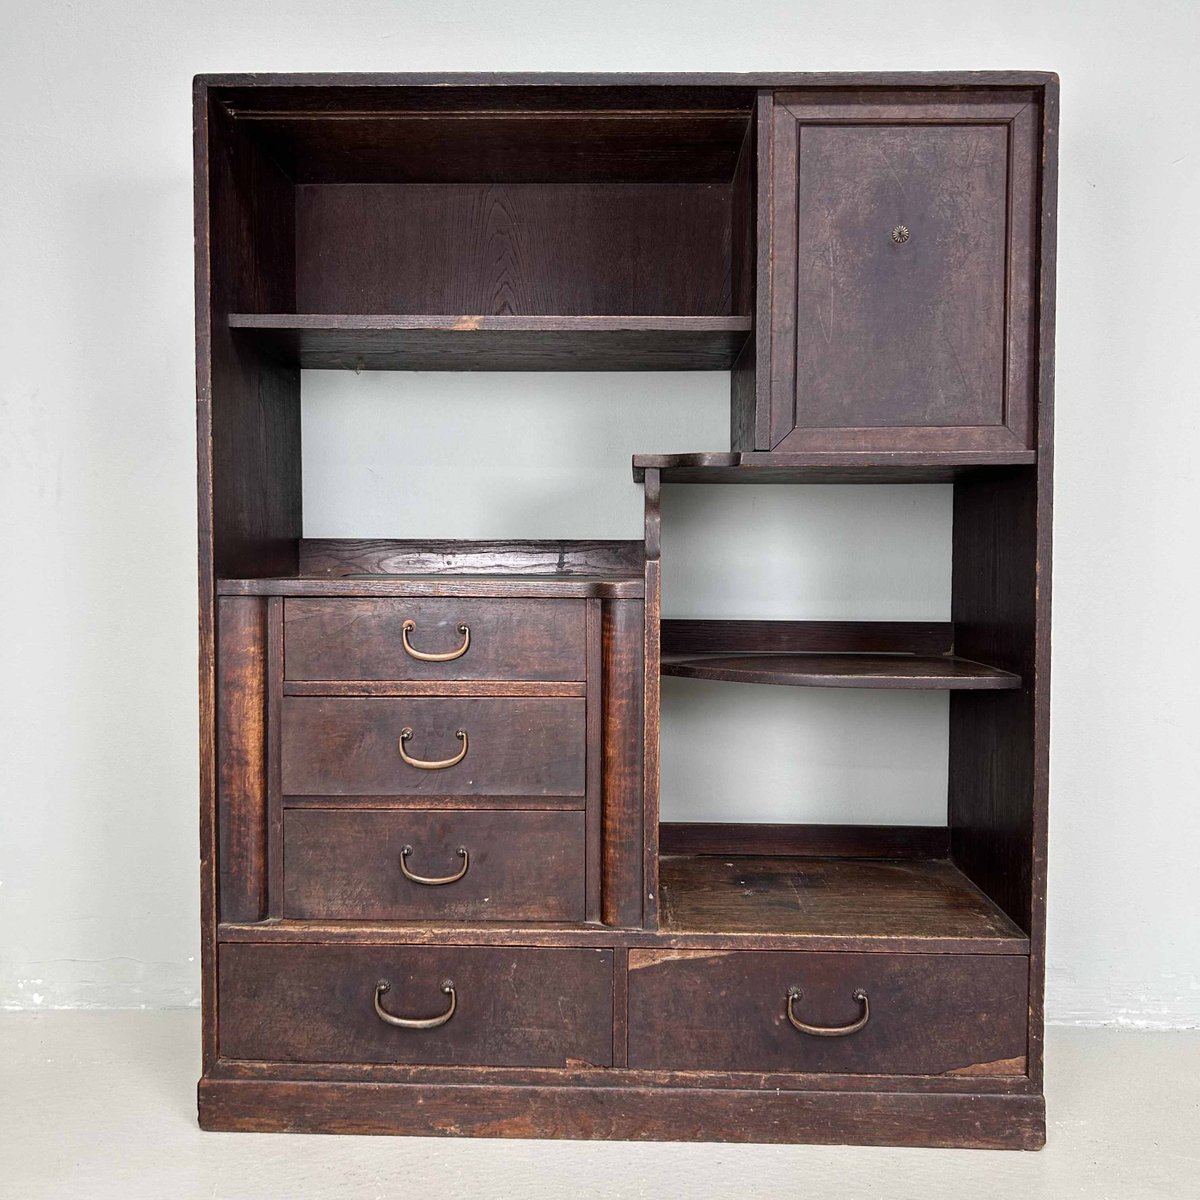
x=499, y=343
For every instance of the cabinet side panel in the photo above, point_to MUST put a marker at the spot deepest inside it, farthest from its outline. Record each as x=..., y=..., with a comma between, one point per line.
x=623, y=835
x=241, y=758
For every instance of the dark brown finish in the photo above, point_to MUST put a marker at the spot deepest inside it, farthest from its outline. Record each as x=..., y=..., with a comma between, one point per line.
x=337, y=746
x=946, y=672
x=640, y=1113
x=797, y=637
x=242, y=758
x=623, y=839
x=498, y=343
x=825, y=466
x=522, y=866
x=515, y=1007
x=835, y=841
x=513, y=249
x=850, y=897
x=633, y=222
x=902, y=270
x=354, y=558
x=928, y=1015
x=363, y=639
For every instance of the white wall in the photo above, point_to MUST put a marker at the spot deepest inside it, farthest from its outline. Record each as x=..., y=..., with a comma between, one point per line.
x=98, y=846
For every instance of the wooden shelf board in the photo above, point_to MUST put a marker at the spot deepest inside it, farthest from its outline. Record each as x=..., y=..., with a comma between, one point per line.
x=499, y=343
x=842, y=466
x=909, y=671
x=607, y=587
x=827, y=897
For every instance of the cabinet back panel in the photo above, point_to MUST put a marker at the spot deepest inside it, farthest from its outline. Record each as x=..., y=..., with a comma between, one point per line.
x=523, y=249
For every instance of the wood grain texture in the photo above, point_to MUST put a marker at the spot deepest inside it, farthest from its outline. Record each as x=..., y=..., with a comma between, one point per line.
x=844, y=466
x=515, y=1006
x=339, y=746
x=852, y=897
x=522, y=866
x=362, y=639
x=652, y=525
x=514, y=249
x=979, y=1121
x=242, y=759
x=514, y=587
x=718, y=636
x=623, y=838
x=472, y=342
x=927, y=1014
x=904, y=671
x=431, y=687
x=354, y=557
x=834, y=841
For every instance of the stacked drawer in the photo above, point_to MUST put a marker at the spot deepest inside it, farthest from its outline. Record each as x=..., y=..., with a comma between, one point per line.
x=434, y=759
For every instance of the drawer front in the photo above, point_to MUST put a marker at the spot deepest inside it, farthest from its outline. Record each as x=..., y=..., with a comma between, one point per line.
x=926, y=1014
x=518, y=866
x=512, y=1006
x=371, y=639
x=352, y=746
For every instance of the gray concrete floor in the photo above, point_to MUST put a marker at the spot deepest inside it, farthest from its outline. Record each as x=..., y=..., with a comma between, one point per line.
x=101, y=1105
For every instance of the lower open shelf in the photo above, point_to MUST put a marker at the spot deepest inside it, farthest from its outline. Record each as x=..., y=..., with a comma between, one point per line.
x=851, y=898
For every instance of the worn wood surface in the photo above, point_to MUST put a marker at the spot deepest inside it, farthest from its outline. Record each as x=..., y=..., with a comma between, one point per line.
x=516, y=745
x=506, y=639
x=562, y=587
x=944, y=672
x=521, y=866
x=472, y=342
x=927, y=1014
x=242, y=758
x=852, y=897
x=514, y=1006
x=827, y=466
x=834, y=841
x=652, y=528
x=995, y=1122
x=716, y=636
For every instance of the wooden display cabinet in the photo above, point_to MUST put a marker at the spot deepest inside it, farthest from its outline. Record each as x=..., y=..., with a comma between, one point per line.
x=437, y=895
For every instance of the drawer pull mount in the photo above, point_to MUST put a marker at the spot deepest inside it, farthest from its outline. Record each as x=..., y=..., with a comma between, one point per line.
x=435, y=881
x=794, y=994
x=422, y=656
x=440, y=764
x=383, y=986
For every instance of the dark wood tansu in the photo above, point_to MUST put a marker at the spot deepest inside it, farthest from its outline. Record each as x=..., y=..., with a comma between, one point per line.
x=437, y=897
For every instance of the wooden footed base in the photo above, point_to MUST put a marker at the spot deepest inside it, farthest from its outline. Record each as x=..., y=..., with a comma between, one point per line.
x=990, y=1122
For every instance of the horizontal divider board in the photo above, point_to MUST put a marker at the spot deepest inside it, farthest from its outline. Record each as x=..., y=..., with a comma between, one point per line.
x=499, y=343
x=898, y=671
x=842, y=466
x=794, y=637
x=343, y=557
x=430, y=687
x=566, y=803
x=509, y=586
x=834, y=841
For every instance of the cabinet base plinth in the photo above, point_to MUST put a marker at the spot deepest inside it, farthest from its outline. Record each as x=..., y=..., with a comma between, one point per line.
x=994, y=1122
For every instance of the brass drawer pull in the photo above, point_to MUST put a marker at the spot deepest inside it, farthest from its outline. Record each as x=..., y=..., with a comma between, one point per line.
x=422, y=656
x=384, y=986
x=794, y=994
x=440, y=764
x=435, y=881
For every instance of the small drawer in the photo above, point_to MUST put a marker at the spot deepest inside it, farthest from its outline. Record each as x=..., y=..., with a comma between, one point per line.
x=426, y=1005
x=887, y=1014
x=444, y=865
x=433, y=746
x=430, y=639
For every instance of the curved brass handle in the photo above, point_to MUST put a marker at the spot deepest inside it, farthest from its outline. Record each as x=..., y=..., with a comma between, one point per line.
x=794, y=994
x=434, y=881
x=421, y=656
x=384, y=986
x=440, y=764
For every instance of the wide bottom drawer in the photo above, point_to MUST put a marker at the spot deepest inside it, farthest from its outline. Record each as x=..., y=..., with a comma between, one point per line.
x=440, y=865
x=425, y=1005
x=894, y=1014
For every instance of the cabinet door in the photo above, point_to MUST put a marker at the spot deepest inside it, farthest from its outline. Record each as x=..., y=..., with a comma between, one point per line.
x=901, y=271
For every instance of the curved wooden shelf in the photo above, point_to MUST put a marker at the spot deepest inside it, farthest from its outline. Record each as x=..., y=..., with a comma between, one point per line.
x=927, y=672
